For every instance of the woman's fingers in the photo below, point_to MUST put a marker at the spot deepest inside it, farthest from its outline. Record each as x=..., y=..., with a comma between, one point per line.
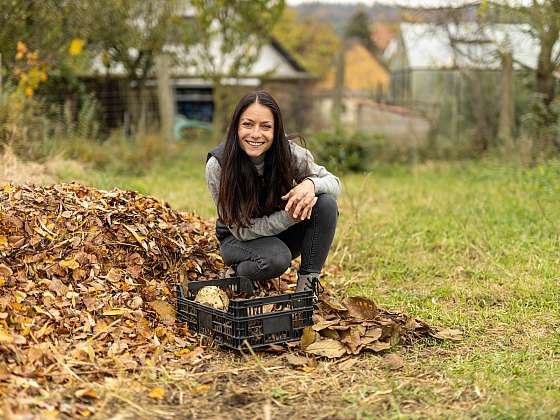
x=302, y=203
x=303, y=208
x=309, y=209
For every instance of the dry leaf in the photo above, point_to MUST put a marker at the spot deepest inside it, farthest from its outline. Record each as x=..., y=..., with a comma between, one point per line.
x=360, y=307
x=5, y=270
x=116, y=311
x=157, y=393
x=85, y=393
x=378, y=346
x=347, y=364
x=448, y=334
x=165, y=311
x=295, y=360
x=328, y=348
x=308, y=337
x=393, y=361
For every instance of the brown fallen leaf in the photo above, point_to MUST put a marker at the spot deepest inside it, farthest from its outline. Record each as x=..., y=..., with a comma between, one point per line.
x=85, y=393
x=448, y=334
x=328, y=348
x=157, y=393
x=5, y=270
x=166, y=312
x=360, y=307
x=321, y=325
x=308, y=337
x=393, y=361
x=116, y=311
x=346, y=364
x=378, y=346
x=295, y=360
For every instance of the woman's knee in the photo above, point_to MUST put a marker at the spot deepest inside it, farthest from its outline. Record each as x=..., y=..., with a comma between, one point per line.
x=326, y=205
x=275, y=262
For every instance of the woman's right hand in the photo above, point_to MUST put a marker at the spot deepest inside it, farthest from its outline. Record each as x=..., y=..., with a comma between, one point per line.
x=301, y=200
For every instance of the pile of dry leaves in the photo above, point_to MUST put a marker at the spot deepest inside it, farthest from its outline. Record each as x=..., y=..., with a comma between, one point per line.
x=357, y=324
x=86, y=280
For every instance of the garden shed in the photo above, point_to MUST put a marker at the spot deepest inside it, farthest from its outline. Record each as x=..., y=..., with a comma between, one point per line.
x=452, y=73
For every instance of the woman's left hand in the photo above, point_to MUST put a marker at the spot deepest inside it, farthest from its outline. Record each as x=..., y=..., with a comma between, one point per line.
x=301, y=200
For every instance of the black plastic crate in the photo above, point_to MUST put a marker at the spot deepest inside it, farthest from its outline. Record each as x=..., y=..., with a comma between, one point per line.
x=246, y=321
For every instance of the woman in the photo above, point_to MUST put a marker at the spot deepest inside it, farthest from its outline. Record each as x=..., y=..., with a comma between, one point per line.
x=274, y=202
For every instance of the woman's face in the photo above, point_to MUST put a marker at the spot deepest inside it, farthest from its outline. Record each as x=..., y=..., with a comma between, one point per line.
x=256, y=129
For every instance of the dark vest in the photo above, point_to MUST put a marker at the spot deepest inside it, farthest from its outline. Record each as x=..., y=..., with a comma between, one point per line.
x=222, y=231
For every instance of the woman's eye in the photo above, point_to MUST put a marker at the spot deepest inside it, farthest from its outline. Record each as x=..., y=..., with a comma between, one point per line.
x=266, y=127
x=246, y=124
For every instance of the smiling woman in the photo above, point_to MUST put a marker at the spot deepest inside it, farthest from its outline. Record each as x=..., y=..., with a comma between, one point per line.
x=274, y=202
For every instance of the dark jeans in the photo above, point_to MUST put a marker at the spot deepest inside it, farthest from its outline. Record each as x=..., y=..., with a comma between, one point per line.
x=270, y=256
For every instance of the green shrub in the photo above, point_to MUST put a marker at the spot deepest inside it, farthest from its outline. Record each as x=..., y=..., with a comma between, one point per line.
x=345, y=152
x=117, y=154
x=23, y=126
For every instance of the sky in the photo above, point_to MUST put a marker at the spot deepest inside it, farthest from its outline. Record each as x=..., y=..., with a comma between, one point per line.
x=413, y=3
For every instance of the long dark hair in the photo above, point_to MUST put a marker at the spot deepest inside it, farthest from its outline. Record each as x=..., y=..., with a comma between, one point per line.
x=243, y=194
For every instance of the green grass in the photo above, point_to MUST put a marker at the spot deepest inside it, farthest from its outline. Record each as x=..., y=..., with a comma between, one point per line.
x=471, y=245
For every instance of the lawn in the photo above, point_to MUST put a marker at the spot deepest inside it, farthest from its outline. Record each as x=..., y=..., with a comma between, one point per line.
x=467, y=245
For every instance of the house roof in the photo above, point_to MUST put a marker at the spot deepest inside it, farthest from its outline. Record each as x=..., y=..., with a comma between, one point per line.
x=273, y=62
x=431, y=46
x=382, y=34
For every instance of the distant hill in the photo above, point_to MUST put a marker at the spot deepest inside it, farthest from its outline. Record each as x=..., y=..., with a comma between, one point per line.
x=339, y=14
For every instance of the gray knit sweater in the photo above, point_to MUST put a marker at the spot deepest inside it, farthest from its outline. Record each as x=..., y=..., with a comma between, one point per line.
x=325, y=183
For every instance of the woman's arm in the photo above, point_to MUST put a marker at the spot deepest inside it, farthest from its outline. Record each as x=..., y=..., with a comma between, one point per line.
x=302, y=198
x=324, y=181
x=261, y=226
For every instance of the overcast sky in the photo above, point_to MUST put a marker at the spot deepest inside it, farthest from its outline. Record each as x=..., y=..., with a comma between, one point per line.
x=425, y=3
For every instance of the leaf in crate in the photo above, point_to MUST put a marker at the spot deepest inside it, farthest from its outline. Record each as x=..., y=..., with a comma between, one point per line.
x=213, y=296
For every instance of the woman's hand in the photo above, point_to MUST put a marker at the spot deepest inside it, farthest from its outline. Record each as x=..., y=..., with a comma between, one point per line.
x=301, y=200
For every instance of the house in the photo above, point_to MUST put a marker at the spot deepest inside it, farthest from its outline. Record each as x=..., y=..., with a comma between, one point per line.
x=366, y=86
x=452, y=73
x=274, y=70
x=365, y=78
x=427, y=60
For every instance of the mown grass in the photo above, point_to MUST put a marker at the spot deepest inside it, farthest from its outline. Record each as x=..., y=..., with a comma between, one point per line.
x=471, y=245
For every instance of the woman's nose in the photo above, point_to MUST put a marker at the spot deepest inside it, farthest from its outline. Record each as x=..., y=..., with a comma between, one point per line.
x=256, y=131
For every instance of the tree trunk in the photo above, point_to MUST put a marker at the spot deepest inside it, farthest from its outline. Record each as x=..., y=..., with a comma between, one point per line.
x=165, y=99
x=545, y=70
x=480, y=111
x=338, y=93
x=142, y=111
x=218, y=115
x=506, y=103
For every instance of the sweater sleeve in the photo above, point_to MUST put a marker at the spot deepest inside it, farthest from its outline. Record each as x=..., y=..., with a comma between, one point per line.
x=258, y=227
x=324, y=181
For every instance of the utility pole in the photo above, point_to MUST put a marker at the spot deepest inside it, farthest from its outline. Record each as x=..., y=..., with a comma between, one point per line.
x=165, y=98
